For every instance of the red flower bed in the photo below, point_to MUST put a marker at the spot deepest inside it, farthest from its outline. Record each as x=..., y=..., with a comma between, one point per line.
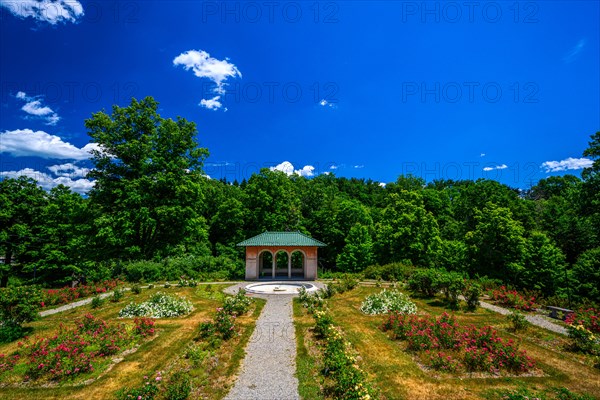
x=52, y=297
x=512, y=299
x=589, y=318
x=469, y=348
x=73, y=351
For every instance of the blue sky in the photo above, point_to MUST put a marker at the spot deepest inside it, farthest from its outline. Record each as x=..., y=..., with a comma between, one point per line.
x=460, y=90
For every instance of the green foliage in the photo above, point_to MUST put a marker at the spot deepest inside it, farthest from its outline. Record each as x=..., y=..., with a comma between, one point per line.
x=117, y=295
x=136, y=289
x=146, y=391
x=389, y=272
x=97, y=302
x=160, y=305
x=425, y=282
x=497, y=245
x=586, y=275
x=358, y=251
x=518, y=321
x=148, y=182
x=237, y=305
x=179, y=386
x=472, y=294
x=18, y=305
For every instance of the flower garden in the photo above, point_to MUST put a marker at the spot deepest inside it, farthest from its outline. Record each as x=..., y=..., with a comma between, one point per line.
x=397, y=346
x=147, y=344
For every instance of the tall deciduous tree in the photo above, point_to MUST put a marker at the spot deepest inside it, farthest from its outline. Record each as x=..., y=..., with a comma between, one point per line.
x=149, y=178
x=497, y=245
x=358, y=251
x=21, y=204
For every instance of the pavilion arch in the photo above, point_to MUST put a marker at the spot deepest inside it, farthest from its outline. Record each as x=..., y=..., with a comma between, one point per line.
x=291, y=255
x=265, y=263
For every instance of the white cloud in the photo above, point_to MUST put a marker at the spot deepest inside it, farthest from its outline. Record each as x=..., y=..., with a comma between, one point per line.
x=35, y=107
x=575, y=51
x=382, y=184
x=211, y=104
x=69, y=170
x=205, y=66
x=359, y=166
x=502, y=166
x=288, y=168
x=482, y=155
x=25, y=142
x=47, y=182
x=325, y=103
x=50, y=11
x=334, y=167
x=567, y=164
x=306, y=171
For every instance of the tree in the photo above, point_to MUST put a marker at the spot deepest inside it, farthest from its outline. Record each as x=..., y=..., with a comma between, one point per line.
x=406, y=230
x=149, y=179
x=21, y=202
x=544, y=265
x=586, y=275
x=274, y=203
x=62, y=234
x=497, y=245
x=358, y=251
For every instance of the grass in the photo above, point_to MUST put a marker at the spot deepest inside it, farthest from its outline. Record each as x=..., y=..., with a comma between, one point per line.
x=396, y=374
x=164, y=353
x=307, y=364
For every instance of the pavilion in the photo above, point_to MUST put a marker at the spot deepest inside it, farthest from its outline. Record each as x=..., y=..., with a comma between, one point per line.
x=275, y=255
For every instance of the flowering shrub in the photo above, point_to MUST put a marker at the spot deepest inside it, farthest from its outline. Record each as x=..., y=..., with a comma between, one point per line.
x=143, y=326
x=388, y=301
x=512, y=299
x=340, y=364
x=589, y=318
x=472, y=294
x=471, y=348
x=238, y=304
x=160, y=305
x=311, y=301
x=71, y=351
x=443, y=362
x=51, y=297
x=518, y=321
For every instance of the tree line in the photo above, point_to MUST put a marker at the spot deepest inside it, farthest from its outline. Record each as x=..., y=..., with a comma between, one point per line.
x=151, y=201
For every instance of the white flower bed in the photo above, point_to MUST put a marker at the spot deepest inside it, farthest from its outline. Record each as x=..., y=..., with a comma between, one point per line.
x=160, y=305
x=386, y=301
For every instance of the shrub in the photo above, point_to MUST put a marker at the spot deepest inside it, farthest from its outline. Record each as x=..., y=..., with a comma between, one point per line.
x=18, y=305
x=143, y=326
x=588, y=317
x=472, y=294
x=97, y=302
x=142, y=271
x=512, y=299
x=424, y=281
x=323, y=322
x=584, y=339
x=160, y=305
x=238, y=304
x=518, y=321
x=389, y=272
x=452, y=284
x=388, y=301
x=178, y=387
x=136, y=289
x=443, y=362
x=118, y=294
x=147, y=391
x=224, y=324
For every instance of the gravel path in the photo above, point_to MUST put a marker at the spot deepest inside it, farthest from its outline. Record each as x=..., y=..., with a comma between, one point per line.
x=73, y=305
x=534, y=319
x=268, y=370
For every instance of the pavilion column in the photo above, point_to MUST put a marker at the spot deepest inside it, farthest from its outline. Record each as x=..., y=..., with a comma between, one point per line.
x=289, y=265
x=274, y=264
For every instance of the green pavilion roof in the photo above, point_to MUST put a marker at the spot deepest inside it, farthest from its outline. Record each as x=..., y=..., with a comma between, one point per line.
x=281, y=239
